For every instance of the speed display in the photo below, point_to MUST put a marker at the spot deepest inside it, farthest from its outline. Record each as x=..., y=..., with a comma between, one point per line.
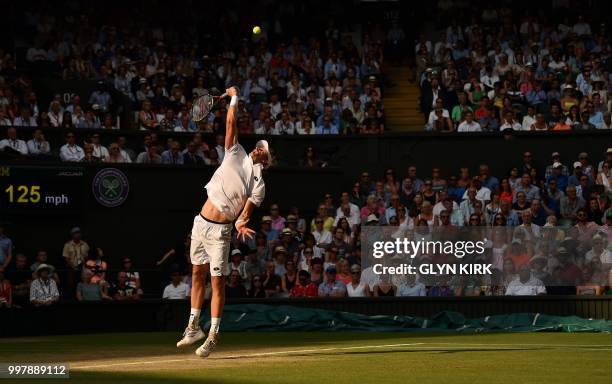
x=40, y=188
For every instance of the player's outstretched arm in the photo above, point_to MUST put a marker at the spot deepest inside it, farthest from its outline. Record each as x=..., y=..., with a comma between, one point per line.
x=231, y=131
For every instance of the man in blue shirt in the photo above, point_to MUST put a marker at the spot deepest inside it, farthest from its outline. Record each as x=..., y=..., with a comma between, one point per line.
x=488, y=181
x=530, y=190
x=331, y=287
x=558, y=176
x=327, y=128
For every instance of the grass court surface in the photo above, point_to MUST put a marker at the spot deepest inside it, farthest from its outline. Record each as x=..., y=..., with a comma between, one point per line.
x=318, y=357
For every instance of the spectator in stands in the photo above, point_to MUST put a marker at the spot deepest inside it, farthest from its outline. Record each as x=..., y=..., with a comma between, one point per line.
x=303, y=287
x=525, y=284
x=115, y=155
x=6, y=291
x=234, y=287
x=89, y=291
x=331, y=287
x=384, y=287
x=12, y=144
x=20, y=277
x=356, y=287
x=70, y=151
x=38, y=145
x=41, y=258
x=177, y=289
x=101, y=97
x=172, y=155
x=89, y=157
x=271, y=281
x=257, y=290
x=468, y=124
x=150, y=156
x=411, y=287
x=43, y=291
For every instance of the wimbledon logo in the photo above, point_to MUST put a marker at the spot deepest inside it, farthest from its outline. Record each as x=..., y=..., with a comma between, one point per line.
x=110, y=187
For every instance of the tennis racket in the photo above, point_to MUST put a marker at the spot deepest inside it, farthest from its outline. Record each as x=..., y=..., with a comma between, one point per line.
x=204, y=105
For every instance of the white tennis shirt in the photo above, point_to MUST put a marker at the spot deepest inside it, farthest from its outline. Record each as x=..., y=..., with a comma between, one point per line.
x=235, y=181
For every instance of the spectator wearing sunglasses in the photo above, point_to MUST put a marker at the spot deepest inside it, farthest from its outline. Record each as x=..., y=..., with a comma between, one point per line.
x=70, y=151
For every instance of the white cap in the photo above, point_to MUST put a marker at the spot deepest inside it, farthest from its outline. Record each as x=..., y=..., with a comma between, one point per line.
x=557, y=164
x=264, y=144
x=372, y=219
x=609, y=150
x=236, y=252
x=577, y=164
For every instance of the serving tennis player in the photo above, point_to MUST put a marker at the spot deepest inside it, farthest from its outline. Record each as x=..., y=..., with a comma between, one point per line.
x=234, y=190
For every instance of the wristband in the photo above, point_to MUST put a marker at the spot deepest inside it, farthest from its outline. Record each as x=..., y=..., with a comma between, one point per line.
x=234, y=101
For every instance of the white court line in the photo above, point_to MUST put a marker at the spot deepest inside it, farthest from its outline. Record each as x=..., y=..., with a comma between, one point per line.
x=417, y=346
x=285, y=352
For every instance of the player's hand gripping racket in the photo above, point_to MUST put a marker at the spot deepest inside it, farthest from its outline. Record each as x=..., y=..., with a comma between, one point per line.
x=204, y=105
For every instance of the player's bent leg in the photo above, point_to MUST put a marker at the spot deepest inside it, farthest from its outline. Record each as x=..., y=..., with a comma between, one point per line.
x=193, y=332
x=216, y=310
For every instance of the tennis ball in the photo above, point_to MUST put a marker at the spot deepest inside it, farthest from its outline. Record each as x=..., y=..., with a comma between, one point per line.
x=256, y=30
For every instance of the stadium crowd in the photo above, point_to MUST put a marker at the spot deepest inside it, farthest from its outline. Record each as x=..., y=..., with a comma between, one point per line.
x=326, y=82
x=511, y=69
x=549, y=231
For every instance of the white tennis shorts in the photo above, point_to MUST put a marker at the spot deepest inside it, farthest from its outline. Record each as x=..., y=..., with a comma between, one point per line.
x=210, y=243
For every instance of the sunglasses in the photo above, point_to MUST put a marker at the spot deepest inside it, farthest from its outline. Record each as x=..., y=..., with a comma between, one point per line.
x=355, y=272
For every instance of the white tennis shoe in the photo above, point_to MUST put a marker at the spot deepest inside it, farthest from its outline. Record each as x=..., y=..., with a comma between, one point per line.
x=190, y=336
x=208, y=346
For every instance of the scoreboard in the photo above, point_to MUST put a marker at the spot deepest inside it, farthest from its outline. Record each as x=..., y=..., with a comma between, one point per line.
x=30, y=188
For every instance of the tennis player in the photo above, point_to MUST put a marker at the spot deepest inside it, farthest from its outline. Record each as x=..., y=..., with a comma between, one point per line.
x=234, y=190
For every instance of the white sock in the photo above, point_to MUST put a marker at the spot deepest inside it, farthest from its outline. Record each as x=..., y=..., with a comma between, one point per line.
x=214, y=325
x=194, y=316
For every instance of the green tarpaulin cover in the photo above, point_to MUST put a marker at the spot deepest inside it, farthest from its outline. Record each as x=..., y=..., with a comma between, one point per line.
x=260, y=317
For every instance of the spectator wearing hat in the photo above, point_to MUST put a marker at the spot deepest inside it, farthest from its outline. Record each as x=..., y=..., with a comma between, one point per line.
x=43, y=290
x=555, y=158
x=330, y=287
x=608, y=158
x=6, y=291
x=238, y=264
x=279, y=256
x=41, y=258
x=292, y=225
x=270, y=234
x=557, y=175
x=75, y=254
x=303, y=286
